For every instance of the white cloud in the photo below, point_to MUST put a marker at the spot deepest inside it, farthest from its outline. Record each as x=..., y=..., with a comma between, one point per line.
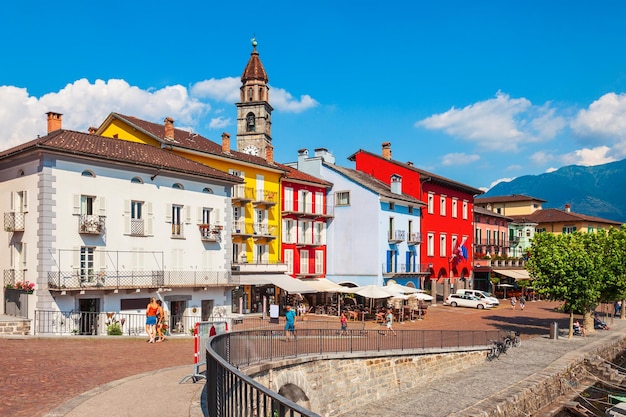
x=551, y=169
x=514, y=167
x=496, y=182
x=228, y=90
x=498, y=124
x=588, y=157
x=224, y=89
x=219, y=122
x=85, y=104
x=454, y=159
x=605, y=118
x=541, y=157
x=284, y=101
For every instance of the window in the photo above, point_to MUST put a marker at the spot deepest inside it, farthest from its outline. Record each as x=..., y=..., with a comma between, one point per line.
x=411, y=209
x=136, y=218
x=289, y=260
x=86, y=268
x=431, y=203
x=392, y=206
x=541, y=230
x=207, y=190
x=454, y=207
x=431, y=245
x=527, y=232
x=304, y=261
x=319, y=203
x=177, y=222
x=178, y=186
x=305, y=201
x=88, y=173
x=261, y=254
x=442, y=245
x=442, y=205
x=342, y=198
x=319, y=262
x=136, y=180
x=320, y=233
x=288, y=199
x=289, y=234
x=465, y=210
x=250, y=122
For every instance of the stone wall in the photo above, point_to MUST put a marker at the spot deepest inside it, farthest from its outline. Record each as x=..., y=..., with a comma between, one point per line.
x=14, y=327
x=331, y=386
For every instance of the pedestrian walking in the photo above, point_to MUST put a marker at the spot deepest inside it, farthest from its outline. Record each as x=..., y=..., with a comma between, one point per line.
x=513, y=302
x=618, y=308
x=290, y=325
x=389, y=318
x=522, y=302
x=344, y=324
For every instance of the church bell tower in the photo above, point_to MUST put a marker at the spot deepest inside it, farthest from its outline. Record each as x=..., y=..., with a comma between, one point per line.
x=254, y=123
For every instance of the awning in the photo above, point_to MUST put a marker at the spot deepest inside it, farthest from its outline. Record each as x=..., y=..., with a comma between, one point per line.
x=325, y=285
x=287, y=283
x=513, y=273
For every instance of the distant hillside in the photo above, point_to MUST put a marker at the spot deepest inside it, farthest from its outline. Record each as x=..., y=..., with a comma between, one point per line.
x=595, y=191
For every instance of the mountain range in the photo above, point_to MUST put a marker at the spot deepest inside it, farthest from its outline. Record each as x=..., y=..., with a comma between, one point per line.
x=591, y=190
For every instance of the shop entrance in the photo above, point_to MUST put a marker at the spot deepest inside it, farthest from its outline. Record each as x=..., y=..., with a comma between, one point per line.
x=89, y=311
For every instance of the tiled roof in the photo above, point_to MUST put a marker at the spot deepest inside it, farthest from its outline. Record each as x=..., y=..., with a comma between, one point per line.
x=556, y=215
x=373, y=184
x=254, y=69
x=434, y=178
x=117, y=150
x=295, y=175
x=189, y=140
x=485, y=212
x=506, y=199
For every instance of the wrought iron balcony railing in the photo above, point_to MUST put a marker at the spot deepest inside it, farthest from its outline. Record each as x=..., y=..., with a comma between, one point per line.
x=210, y=233
x=396, y=236
x=14, y=221
x=91, y=224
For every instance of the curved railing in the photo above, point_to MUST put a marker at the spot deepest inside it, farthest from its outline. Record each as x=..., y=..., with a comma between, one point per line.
x=230, y=392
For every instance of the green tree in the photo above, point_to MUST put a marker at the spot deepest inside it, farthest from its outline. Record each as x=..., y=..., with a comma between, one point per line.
x=564, y=269
x=614, y=257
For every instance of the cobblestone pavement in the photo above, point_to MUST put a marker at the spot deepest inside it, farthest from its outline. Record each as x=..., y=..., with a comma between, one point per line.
x=37, y=374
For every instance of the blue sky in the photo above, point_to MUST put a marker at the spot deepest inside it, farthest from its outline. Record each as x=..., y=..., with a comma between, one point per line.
x=475, y=91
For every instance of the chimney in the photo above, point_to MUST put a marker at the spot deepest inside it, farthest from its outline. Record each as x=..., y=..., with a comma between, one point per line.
x=269, y=154
x=396, y=184
x=225, y=142
x=568, y=207
x=169, y=128
x=325, y=155
x=55, y=121
x=387, y=150
x=92, y=130
x=409, y=163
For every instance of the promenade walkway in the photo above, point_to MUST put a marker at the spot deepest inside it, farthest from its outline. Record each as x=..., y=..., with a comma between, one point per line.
x=125, y=376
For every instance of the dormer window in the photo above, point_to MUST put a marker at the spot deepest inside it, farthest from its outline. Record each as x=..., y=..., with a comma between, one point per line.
x=88, y=173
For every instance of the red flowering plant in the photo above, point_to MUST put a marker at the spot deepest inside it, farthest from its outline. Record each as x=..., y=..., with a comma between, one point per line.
x=25, y=286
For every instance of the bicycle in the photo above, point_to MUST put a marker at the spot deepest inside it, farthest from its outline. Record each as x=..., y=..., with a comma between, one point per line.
x=497, y=348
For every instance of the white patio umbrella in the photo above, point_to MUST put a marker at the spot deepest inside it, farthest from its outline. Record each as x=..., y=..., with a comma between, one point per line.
x=421, y=296
x=403, y=289
x=373, y=291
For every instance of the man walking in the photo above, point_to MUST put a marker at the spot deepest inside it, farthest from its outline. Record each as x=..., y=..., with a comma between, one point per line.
x=290, y=325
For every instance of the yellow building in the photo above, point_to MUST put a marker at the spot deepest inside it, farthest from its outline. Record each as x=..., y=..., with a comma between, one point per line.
x=558, y=222
x=510, y=205
x=255, y=219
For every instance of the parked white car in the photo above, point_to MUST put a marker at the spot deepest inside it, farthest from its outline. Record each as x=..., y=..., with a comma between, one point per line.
x=482, y=295
x=466, y=300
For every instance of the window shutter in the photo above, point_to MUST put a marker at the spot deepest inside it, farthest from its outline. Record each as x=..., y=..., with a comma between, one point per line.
x=127, y=217
x=284, y=234
x=168, y=213
x=187, y=214
x=408, y=262
x=102, y=206
x=13, y=200
x=102, y=259
x=200, y=218
x=24, y=256
x=149, y=219
x=76, y=258
x=25, y=201
x=76, y=198
x=216, y=218
x=389, y=260
x=13, y=254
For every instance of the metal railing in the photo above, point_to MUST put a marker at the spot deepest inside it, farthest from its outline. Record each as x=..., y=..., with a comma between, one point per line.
x=309, y=209
x=230, y=392
x=12, y=276
x=405, y=268
x=91, y=224
x=14, y=221
x=65, y=323
x=396, y=235
x=111, y=279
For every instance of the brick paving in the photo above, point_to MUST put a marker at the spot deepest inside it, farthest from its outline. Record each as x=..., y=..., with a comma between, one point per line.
x=40, y=373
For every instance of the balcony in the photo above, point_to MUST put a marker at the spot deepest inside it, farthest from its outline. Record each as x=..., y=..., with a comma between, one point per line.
x=396, y=236
x=241, y=229
x=259, y=266
x=415, y=238
x=265, y=198
x=131, y=281
x=264, y=231
x=210, y=233
x=243, y=194
x=91, y=224
x=398, y=270
x=12, y=276
x=308, y=210
x=14, y=221
x=317, y=240
x=137, y=227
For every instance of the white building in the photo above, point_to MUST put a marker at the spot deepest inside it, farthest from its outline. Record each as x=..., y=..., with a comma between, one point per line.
x=101, y=225
x=366, y=240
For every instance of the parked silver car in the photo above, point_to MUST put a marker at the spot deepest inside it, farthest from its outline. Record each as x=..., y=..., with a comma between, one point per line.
x=466, y=300
x=481, y=294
